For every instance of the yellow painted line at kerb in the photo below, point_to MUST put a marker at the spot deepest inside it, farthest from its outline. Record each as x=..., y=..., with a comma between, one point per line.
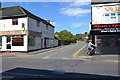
x=100, y=60
x=74, y=55
x=38, y=53
x=52, y=50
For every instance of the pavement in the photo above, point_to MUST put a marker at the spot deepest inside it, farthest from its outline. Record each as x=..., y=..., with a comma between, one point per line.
x=61, y=62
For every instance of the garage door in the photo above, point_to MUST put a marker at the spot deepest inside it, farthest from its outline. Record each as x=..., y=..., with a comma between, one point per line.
x=108, y=44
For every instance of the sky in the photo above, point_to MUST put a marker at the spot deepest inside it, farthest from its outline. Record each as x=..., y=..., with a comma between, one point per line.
x=72, y=16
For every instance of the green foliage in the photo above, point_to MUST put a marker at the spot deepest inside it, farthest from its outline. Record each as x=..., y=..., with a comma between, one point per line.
x=89, y=38
x=80, y=38
x=57, y=33
x=65, y=35
x=77, y=35
x=85, y=33
x=73, y=40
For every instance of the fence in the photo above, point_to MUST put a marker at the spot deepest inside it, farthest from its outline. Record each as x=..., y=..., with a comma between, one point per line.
x=63, y=42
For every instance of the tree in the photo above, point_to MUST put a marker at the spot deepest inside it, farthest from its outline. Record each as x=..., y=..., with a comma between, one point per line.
x=57, y=33
x=89, y=37
x=65, y=35
x=77, y=35
x=85, y=33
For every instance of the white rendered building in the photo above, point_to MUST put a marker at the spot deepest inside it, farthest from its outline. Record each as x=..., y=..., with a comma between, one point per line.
x=20, y=30
x=105, y=25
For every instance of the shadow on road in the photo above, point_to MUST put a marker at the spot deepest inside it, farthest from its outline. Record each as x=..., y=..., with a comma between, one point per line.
x=28, y=74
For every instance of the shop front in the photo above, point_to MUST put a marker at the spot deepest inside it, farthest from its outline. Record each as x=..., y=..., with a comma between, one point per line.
x=106, y=37
x=13, y=40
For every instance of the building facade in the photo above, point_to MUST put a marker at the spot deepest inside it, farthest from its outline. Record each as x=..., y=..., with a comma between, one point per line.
x=105, y=26
x=20, y=30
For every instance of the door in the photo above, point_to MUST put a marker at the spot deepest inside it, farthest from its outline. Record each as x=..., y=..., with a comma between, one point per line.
x=41, y=43
x=45, y=43
x=8, y=43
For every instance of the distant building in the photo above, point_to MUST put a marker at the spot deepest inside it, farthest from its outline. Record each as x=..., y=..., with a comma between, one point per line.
x=105, y=25
x=21, y=30
x=83, y=36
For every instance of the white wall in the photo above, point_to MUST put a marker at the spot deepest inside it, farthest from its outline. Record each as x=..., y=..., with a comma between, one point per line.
x=98, y=12
x=6, y=25
x=55, y=42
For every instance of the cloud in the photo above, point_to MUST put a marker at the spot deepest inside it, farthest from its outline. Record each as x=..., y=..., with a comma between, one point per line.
x=74, y=11
x=78, y=3
x=76, y=25
x=74, y=8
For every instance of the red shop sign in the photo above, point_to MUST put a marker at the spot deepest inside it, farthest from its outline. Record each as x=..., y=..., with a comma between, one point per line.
x=17, y=40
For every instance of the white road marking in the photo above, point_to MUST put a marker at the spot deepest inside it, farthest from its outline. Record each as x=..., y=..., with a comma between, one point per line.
x=23, y=74
x=49, y=56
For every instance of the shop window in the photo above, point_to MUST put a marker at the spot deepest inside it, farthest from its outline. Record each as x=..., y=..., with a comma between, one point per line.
x=31, y=41
x=14, y=21
x=17, y=41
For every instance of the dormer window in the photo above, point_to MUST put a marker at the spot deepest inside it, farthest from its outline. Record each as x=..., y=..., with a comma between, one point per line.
x=15, y=21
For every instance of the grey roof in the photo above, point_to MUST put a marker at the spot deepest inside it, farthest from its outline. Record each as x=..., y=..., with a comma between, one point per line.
x=104, y=1
x=18, y=11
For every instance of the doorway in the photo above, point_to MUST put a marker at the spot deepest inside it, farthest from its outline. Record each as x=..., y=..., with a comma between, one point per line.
x=8, y=43
x=41, y=43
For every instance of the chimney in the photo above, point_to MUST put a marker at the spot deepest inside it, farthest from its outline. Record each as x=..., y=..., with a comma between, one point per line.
x=0, y=6
x=48, y=21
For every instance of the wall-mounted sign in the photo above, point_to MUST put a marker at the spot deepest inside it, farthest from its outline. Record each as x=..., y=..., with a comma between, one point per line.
x=110, y=30
x=19, y=32
x=17, y=40
x=39, y=34
x=113, y=9
x=102, y=26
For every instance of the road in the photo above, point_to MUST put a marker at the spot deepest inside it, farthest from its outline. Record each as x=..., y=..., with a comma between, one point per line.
x=58, y=63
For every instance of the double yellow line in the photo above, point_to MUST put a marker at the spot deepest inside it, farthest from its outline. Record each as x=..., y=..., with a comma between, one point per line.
x=74, y=55
x=38, y=53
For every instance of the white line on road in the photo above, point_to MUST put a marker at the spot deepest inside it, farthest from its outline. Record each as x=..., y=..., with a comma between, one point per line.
x=23, y=74
x=48, y=56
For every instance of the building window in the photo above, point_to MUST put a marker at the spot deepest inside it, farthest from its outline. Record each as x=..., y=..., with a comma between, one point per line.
x=14, y=21
x=0, y=40
x=31, y=40
x=107, y=17
x=38, y=23
x=17, y=41
x=46, y=27
x=113, y=17
x=23, y=25
x=119, y=17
